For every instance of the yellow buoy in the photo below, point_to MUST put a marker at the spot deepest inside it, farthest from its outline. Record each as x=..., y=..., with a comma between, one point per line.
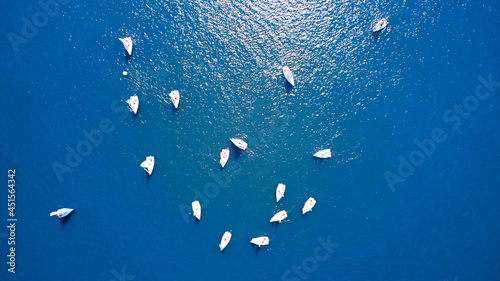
x=125, y=73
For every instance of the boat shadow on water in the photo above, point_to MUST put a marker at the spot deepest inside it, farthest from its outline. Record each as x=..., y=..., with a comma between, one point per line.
x=236, y=152
x=288, y=87
x=222, y=252
x=66, y=218
x=257, y=249
x=275, y=226
x=376, y=36
x=174, y=110
x=319, y=160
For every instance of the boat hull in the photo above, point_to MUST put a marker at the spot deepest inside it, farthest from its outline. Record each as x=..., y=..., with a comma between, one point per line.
x=127, y=43
x=225, y=240
x=260, y=241
x=308, y=205
x=239, y=144
x=288, y=75
x=61, y=213
x=280, y=192
x=174, y=98
x=325, y=153
x=149, y=164
x=381, y=25
x=133, y=103
x=196, y=209
x=224, y=156
x=279, y=216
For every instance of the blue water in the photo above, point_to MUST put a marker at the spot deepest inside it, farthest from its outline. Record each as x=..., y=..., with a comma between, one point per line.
x=368, y=98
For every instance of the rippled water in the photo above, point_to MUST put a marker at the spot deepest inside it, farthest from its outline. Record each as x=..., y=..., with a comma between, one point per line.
x=367, y=97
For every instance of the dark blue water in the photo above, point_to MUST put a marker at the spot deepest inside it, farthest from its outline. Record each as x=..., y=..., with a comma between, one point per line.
x=368, y=98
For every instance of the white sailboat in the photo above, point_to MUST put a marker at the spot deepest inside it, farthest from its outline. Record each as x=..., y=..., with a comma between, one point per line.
x=260, y=241
x=279, y=216
x=149, y=164
x=380, y=25
x=127, y=43
x=196, y=209
x=61, y=213
x=239, y=143
x=174, y=97
x=308, y=205
x=133, y=103
x=288, y=75
x=280, y=192
x=325, y=153
x=224, y=156
x=225, y=240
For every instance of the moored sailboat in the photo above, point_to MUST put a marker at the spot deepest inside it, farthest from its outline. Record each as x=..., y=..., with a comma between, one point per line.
x=288, y=75
x=127, y=43
x=133, y=103
x=225, y=240
x=260, y=241
x=196, y=209
x=308, y=205
x=174, y=98
x=61, y=213
x=224, y=156
x=149, y=164
x=325, y=153
x=279, y=216
x=239, y=143
x=280, y=192
x=381, y=24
